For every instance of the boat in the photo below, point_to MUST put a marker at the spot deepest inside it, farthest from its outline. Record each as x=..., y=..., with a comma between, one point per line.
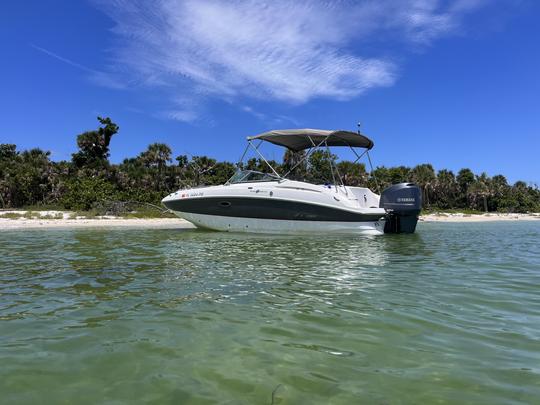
x=270, y=202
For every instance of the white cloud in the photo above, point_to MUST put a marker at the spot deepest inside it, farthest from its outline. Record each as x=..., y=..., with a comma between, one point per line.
x=179, y=115
x=278, y=50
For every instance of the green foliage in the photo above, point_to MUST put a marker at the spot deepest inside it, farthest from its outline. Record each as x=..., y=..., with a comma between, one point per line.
x=353, y=174
x=84, y=193
x=8, y=151
x=424, y=176
x=25, y=178
x=464, y=179
x=157, y=155
x=89, y=182
x=383, y=177
x=294, y=165
x=94, y=145
x=320, y=167
x=445, y=190
x=11, y=215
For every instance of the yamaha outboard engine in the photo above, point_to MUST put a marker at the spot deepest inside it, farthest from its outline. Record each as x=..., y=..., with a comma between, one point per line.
x=403, y=203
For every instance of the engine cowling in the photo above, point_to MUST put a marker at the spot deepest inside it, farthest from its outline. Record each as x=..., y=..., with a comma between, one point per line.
x=403, y=203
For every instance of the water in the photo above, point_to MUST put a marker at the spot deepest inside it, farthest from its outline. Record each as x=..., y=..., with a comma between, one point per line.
x=448, y=315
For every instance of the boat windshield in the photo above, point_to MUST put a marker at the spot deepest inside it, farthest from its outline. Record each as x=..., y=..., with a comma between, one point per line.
x=247, y=176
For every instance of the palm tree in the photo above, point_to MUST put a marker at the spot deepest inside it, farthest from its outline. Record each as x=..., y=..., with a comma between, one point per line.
x=156, y=156
x=445, y=189
x=498, y=188
x=296, y=162
x=321, y=165
x=465, y=178
x=424, y=176
x=353, y=174
x=484, y=188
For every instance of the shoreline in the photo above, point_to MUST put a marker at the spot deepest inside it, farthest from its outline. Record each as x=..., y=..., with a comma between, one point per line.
x=487, y=217
x=153, y=223
x=21, y=219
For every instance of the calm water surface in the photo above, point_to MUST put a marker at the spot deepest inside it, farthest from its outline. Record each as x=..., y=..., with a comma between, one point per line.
x=448, y=315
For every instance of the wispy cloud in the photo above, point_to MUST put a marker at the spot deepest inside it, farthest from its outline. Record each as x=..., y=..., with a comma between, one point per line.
x=285, y=51
x=101, y=78
x=274, y=119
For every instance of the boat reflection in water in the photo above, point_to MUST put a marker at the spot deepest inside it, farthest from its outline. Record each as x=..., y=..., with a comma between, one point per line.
x=225, y=266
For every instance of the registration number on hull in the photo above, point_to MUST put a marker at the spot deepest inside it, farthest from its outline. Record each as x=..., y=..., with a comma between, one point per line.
x=199, y=194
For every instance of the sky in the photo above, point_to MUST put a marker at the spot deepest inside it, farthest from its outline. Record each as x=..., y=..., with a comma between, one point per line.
x=454, y=83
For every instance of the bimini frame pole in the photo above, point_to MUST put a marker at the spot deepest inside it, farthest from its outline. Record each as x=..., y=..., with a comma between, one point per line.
x=371, y=172
x=243, y=156
x=331, y=166
x=340, y=178
x=262, y=157
x=358, y=157
x=307, y=154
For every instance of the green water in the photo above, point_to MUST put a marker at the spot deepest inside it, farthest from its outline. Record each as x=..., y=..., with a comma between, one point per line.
x=448, y=315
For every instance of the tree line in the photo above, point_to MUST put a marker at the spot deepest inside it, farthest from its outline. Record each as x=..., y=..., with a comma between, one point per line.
x=31, y=178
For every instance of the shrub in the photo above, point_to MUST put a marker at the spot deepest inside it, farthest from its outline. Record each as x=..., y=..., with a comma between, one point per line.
x=83, y=193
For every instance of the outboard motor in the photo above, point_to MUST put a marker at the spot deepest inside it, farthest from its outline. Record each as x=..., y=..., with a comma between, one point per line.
x=403, y=203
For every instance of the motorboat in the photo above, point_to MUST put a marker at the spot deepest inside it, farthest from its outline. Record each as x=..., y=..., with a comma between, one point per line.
x=270, y=202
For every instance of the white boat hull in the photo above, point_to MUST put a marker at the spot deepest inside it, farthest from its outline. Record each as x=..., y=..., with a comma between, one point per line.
x=257, y=225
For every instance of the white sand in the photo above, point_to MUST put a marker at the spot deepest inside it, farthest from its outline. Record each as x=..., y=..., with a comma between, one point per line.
x=65, y=220
x=459, y=217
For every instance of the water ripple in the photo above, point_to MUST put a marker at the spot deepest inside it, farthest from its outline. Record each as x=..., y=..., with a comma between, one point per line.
x=450, y=314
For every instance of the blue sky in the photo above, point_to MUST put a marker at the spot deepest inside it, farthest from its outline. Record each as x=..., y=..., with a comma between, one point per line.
x=454, y=83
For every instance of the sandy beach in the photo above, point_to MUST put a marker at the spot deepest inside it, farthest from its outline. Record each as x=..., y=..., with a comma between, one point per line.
x=492, y=216
x=20, y=219
x=65, y=219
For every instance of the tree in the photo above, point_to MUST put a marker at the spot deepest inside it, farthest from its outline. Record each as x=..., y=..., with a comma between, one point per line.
x=445, y=189
x=498, y=188
x=524, y=198
x=260, y=165
x=321, y=167
x=379, y=179
x=383, y=177
x=220, y=173
x=182, y=161
x=199, y=169
x=94, y=145
x=84, y=193
x=400, y=174
x=8, y=151
x=30, y=177
x=353, y=174
x=476, y=191
x=156, y=155
x=465, y=178
x=424, y=176
x=25, y=178
x=295, y=163
x=8, y=155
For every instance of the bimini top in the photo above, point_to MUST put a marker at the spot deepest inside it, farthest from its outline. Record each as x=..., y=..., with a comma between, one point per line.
x=300, y=139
